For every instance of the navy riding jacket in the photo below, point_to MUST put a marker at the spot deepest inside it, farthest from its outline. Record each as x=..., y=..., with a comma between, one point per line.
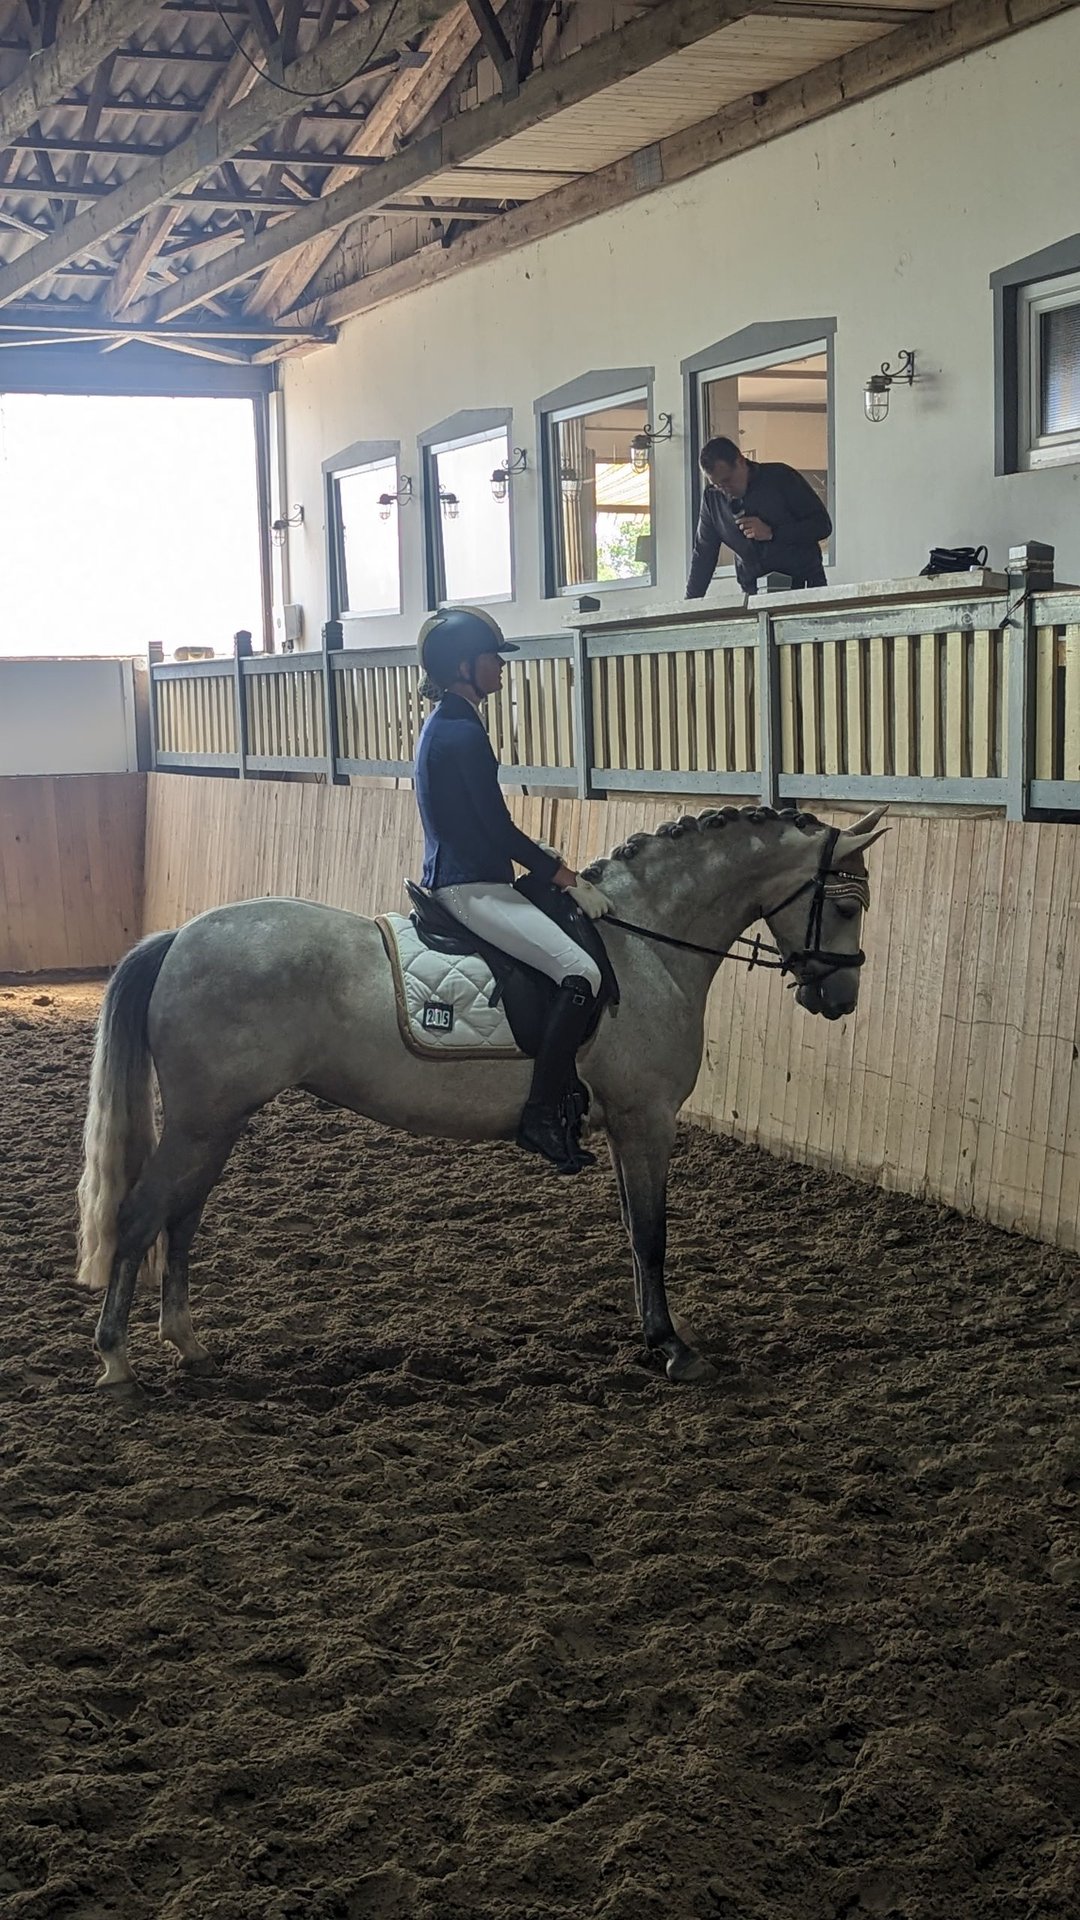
x=468, y=831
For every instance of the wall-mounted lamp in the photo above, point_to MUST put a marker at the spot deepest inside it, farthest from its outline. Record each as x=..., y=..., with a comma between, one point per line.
x=399, y=499
x=642, y=444
x=280, y=527
x=569, y=482
x=449, y=503
x=879, y=385
x=500, y=479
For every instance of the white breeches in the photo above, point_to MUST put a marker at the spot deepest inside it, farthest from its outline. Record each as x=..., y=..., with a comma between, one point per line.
x=495, y=912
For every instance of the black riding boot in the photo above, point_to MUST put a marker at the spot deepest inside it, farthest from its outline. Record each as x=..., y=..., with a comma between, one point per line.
x=551, y=1119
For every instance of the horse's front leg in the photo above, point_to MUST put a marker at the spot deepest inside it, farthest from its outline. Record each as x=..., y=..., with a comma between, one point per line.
x=642, y=1156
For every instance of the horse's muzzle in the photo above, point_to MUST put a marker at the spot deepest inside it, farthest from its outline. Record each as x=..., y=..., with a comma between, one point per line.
x=814, y=996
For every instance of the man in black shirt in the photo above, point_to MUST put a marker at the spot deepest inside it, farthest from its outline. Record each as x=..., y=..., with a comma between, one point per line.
x=767, y=514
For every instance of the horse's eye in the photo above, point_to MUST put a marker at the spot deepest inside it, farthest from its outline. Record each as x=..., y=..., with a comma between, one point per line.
x=847, y=909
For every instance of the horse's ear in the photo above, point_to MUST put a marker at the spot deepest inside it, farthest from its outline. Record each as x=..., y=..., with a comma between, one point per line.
x=866, y=825
x=848, y=843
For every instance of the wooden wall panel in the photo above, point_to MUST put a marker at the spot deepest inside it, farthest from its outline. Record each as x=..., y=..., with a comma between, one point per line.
x=71, y=864
x=957, y=1080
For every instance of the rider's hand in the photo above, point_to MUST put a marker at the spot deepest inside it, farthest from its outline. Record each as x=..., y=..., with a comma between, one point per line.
x=564, y=877
x=591, y=900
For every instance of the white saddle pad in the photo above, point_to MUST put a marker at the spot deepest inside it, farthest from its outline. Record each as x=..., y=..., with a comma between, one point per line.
x=444, y=999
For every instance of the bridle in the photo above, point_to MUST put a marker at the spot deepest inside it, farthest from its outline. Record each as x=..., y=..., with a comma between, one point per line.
x=851, y=886
x=828, y=883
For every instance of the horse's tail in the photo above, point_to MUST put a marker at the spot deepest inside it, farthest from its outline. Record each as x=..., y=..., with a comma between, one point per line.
x=121, y=1130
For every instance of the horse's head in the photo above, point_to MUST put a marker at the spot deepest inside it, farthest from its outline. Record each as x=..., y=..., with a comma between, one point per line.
x=817, y=922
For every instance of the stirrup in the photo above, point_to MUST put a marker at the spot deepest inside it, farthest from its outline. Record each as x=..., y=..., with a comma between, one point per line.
x=573, y=1110
x=542, y=1131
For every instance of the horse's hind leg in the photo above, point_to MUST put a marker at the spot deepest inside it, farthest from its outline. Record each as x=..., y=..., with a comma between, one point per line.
x=175, y=1322
x=168, y=1196
x=110, y=1337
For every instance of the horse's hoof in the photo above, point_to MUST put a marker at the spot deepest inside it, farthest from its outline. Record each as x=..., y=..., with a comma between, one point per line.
x=123, y=1388
x=691, y=1370
x=201, y=1366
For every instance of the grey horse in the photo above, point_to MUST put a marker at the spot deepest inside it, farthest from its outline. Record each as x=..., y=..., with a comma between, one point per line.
x=249, y=999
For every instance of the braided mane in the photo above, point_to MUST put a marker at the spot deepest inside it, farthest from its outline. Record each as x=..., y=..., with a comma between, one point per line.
x=702, y=823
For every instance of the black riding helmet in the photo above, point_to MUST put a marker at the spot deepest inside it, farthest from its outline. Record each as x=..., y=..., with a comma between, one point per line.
x=454, y=634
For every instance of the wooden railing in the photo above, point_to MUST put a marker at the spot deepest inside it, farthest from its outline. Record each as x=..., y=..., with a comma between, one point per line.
x=964, y=695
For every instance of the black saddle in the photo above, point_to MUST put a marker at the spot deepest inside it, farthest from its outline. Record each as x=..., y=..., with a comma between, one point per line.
x=525, y=994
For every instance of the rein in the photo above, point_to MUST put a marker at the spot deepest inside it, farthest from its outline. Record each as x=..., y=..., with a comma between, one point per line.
x=757, y=945
x=852, y=885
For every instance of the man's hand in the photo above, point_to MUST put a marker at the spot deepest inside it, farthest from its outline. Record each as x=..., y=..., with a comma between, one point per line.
x=754, y=528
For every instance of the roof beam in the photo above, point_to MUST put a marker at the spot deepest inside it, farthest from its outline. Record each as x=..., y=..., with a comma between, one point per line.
x=499, y=49
x=192, y=109
x=533, y=22
x=290, y=26
x=931, y=41
x=154, y=229
x=98, y=94
x=84, y=144
x=73, y=317
x=266, y=27
x=78, y=53
x=325, y=70
x=228, y=201
x=156, y=56
x=403, y=104
x=649, y=38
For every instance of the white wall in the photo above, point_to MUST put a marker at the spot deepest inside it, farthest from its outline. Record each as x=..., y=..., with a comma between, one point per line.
x=890, y=216
x=67, y=716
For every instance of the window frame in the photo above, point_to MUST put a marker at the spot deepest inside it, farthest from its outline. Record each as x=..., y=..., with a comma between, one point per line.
x=1011, y=405
x=766, y=343
x=1034, y=299
x=603, y=387
x=362, y=456
x=468, y=428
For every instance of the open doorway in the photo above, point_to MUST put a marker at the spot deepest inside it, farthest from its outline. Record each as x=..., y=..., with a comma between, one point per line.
x=126, y=520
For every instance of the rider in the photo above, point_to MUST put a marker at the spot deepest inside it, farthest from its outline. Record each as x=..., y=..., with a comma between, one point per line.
x=470, y=843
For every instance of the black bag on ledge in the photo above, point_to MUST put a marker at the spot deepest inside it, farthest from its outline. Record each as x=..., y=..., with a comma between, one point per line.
x=953, y=560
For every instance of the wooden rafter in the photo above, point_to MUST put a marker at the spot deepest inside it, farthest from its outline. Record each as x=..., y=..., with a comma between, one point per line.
x=83, y=144
x=145, y=246
x=99, y=93
x=265, y=26
x=494, y=38
x=79, y=318
x=647, y=39
x=324, y=71
x=78, y=53
x=534, y=18
x=290, y=27
x=404, y=102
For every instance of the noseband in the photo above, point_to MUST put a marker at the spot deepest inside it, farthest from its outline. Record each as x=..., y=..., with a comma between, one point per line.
x=828, y=883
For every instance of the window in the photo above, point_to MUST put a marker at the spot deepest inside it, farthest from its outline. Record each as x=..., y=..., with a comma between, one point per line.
x=601, y=509
x=469, y=548
x=1048, y=391
x=365, y=543
x=774, y=409
x=1037, y=359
